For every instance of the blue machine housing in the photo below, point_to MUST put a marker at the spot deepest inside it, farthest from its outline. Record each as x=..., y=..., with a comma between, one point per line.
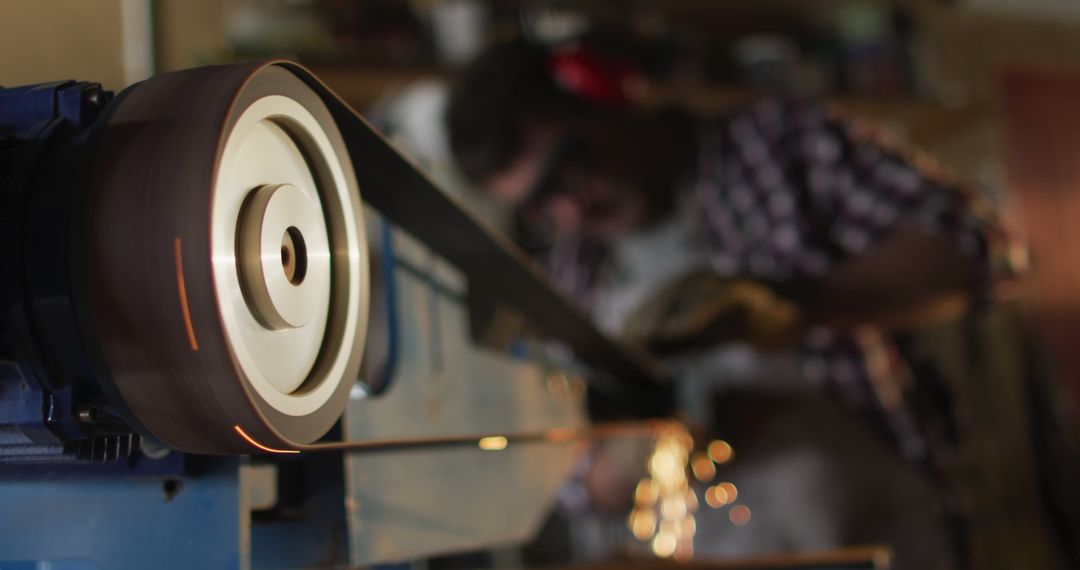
x=52, y=408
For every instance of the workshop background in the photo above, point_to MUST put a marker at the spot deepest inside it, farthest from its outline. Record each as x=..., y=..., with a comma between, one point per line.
x=991, y=88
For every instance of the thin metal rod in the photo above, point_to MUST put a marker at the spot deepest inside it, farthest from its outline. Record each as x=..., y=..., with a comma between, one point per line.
x=494, y=441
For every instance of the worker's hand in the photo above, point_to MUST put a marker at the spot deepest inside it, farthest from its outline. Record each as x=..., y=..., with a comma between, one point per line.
x=704, y=310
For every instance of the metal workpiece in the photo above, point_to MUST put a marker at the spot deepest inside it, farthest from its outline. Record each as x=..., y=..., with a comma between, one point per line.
x=283, y=258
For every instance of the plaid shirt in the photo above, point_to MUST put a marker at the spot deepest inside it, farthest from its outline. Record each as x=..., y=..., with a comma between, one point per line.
x=788, y=190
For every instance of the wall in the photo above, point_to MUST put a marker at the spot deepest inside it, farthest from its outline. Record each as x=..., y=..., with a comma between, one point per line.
x=108, y=41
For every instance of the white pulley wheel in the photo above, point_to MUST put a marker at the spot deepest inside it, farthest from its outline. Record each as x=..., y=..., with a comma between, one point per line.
x=231, y=283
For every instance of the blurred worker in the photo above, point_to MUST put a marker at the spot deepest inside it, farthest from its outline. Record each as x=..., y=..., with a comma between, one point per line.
x=856, y=236
x=855, y=239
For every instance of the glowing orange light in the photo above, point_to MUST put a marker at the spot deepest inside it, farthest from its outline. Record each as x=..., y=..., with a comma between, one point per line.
x=181, y=288
x=720, y=451
x=248, y=439
x=716, y=497
x=664, y=544
x=647, y=492
x=730, y=491
x=666, y=494
x=493, y=443
x=642, y=523
x=739, y=515
x=673, y=508
x=559, y=435
x=663, y=464
x=684, y=439
x=689, y=526
x=684, y=551
x=668, y=526
x=703, y=467
x=691, y=500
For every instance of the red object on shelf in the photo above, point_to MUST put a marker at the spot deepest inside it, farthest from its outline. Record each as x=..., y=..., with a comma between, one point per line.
x=597, y=77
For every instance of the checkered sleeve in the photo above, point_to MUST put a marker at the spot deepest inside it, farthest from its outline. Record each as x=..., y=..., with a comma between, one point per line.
x=832, y=188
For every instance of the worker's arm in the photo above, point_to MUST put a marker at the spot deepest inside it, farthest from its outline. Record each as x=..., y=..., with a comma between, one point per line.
x=911, y=278
x=926, y=260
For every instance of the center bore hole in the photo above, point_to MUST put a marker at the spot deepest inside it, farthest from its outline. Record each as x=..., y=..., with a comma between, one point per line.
x=294, y=255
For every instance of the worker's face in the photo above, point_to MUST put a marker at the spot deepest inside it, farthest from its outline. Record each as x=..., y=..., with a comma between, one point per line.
x=577, y=179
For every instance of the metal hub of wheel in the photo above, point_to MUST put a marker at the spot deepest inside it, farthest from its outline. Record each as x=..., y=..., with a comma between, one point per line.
x=271, y=250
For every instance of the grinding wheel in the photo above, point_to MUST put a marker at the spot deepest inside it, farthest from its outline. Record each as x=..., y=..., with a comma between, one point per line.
x=226, y=258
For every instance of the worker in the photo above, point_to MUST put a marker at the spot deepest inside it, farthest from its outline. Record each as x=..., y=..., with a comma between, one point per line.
x=857, y=240
x=859, y=237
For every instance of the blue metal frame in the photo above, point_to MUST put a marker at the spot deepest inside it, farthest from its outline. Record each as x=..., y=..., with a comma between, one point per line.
x=125, y=523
